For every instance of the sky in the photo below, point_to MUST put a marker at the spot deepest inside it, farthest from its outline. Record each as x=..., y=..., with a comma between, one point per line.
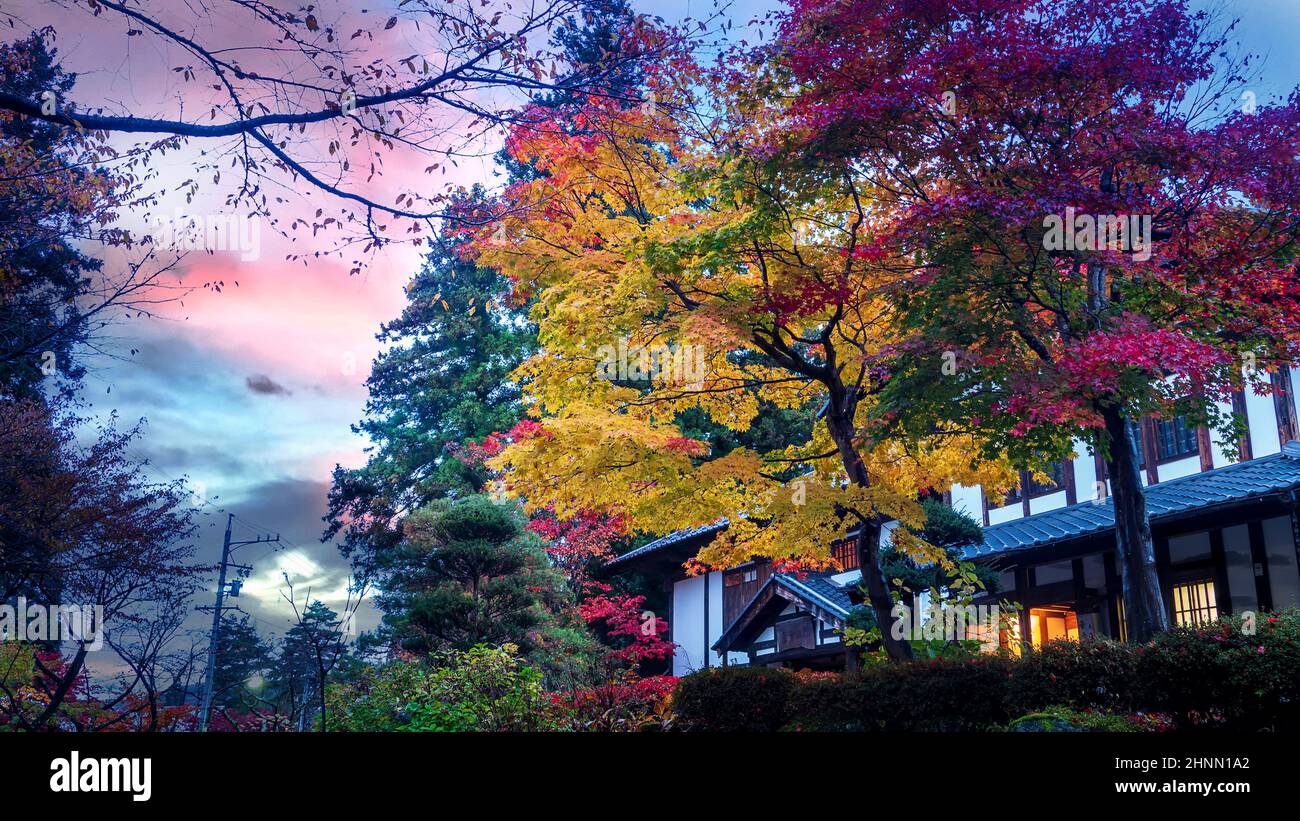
x=250, y=392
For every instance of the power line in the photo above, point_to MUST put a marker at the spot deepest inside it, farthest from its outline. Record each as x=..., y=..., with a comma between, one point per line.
x=218, y=609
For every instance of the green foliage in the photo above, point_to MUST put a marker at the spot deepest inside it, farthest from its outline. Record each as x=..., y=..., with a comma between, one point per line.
x=311, y=649
x=42, y=272
x=943, y=694
x=467, y=573
x=1063, y=719
x=1239, y=674
x=482, y=689
x=733, y=699
x=951, y=530
x=443, y=380
x=1093, y=673
x=242, y=655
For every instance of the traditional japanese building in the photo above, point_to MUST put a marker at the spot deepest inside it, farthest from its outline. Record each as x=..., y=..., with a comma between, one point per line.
x=1224, y=519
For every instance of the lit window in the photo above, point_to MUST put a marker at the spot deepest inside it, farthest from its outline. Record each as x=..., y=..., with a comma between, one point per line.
x=1123, y=618
x=1194, y=603
x=1052, y=623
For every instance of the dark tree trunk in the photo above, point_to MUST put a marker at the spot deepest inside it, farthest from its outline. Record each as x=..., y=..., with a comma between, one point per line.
x=868, y=549
x=1144, y=605
x=878, y=590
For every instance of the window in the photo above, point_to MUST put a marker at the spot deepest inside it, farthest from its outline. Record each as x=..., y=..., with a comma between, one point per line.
x=845, y=554
x=1194, y=603
x=1031, y=487
x=1056, y=481
x=1175, y=438
x=1052, y=623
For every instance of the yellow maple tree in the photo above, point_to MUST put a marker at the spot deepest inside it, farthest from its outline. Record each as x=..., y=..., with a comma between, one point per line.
x=672, y=268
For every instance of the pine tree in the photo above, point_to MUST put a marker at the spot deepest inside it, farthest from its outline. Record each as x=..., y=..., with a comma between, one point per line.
x=468, y=573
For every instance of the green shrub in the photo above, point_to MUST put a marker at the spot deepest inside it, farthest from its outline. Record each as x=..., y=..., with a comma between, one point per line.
x=834, y=704
x=1093, y=674
x=1065, y=720
x=962, y=694
x=939, y=695
x=484, y=688
x=1229, y=674
x=733, y=699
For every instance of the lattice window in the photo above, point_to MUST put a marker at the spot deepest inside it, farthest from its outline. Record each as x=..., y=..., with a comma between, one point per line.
x=1175, y=438
x=1194, y=603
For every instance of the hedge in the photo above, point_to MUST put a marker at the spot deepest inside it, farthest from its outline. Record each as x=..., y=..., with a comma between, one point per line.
x=1218, y=676
x=733, y=699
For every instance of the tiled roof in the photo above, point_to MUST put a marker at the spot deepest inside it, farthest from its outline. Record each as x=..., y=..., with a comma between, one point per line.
x=676, y=537
x=819, y=588
x=1276, y=473
x=828, y=601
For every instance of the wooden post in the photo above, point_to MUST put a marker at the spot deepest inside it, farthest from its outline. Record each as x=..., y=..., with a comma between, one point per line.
x=1147, y=428
x=1114, y=595
x=1205, y=447
x=1259, y=560
x=1244, y=451
x=1022, y=588
x=1284, y=404
x=1222, y=595
x=1067, y=478
x=1161, y=545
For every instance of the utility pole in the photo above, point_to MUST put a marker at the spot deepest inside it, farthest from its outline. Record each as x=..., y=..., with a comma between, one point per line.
x=214, y=635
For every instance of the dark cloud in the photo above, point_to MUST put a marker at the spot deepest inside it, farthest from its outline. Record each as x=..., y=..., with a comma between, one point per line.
x=261, y=383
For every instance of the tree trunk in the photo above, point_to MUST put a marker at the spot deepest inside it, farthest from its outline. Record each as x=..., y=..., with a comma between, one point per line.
x=1144, y=606
x=878, y=590
x=841, y=430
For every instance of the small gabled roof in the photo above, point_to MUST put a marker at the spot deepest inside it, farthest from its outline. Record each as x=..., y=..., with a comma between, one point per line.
x=1267, y=475
x=819, y=594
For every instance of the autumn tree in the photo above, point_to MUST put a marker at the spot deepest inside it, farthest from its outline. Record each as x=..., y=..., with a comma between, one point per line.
x=732, y=277
x=81, y=524
x=1084, y=225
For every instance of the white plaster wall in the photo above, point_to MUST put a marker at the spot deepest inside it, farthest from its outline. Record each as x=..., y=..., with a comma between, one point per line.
x=998, y=515
x=715, y=617
x=1085, y=474
x=1263, y=424
x=967, y=500
x=1225, y=453
x=688, y=625
x=1179, y=468
x=1049, y=502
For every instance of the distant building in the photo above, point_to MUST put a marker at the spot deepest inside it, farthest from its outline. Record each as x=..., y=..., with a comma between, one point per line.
x=1223, y=516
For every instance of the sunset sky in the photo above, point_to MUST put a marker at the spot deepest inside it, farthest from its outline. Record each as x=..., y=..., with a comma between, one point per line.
x=250, y=392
